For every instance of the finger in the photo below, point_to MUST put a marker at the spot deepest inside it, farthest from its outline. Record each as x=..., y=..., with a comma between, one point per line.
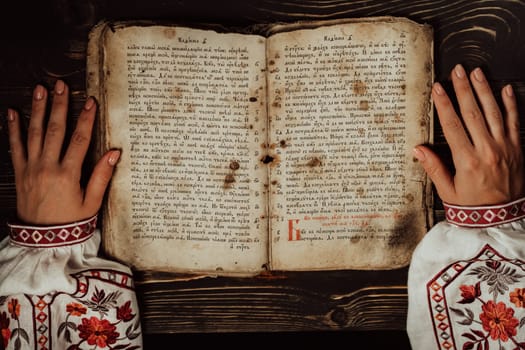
x=18, y=156
x=80, y=139
x=468, y=106
x=56, y=127
x=438, y=173
x=512, y=120
x=453, y=129
x=35, y=133
x=493, y=117
x=99, y=181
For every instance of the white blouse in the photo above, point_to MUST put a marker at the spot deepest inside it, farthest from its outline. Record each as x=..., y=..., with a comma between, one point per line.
x=466, y=286
x=57, y=293
x=466, y=281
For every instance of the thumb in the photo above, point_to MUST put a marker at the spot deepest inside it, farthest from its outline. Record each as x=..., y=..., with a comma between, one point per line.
x=99, y=180
x=437, y=171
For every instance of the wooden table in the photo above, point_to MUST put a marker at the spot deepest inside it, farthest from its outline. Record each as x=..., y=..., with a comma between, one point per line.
x=45, y=40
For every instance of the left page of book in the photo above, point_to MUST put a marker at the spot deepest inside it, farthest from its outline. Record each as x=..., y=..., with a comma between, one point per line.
x=187, y=109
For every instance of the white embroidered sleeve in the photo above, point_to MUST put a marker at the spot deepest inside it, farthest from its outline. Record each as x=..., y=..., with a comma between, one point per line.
x=56, y=293
x=466, y=281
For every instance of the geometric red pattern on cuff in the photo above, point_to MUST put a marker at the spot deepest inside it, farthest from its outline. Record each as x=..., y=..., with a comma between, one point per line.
x=52, y=236
x=485, y=216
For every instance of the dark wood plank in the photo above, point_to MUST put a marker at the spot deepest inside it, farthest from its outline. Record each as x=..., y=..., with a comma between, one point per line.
x=52, y=45
x=274, y=302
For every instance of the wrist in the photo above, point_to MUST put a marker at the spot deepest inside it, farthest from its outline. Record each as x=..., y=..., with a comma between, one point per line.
x=50, y=215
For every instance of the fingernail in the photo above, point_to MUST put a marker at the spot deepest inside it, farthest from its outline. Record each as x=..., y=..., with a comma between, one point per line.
x=113, y=157
x=420, y=155
x=60, y=87
x=89, y=104
x=509, y=91
x=478, y=74
x=10, y=115
x=38, y=94
x=460, y=72
x=438, y=89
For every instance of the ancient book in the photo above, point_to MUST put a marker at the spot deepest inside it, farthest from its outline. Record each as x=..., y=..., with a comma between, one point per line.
x=275, y=147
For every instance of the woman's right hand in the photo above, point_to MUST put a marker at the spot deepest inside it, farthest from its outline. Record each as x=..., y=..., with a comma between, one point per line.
x=485, y=144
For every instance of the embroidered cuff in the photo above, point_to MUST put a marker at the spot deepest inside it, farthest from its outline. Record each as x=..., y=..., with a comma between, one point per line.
x=52, y=236
x=485, y=216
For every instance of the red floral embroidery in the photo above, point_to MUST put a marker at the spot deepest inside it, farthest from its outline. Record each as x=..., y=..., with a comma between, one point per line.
x=85, y=321
x=14, y=308
x=76, y=309
x=469, y=293
x=5, y=332
x=98, y=332
x=498, y=320
x=124, y=312
x=517, y=297
x=17, y=333
x=479, y=303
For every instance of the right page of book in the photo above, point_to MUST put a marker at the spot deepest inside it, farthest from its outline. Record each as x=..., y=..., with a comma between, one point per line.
x=348, y=103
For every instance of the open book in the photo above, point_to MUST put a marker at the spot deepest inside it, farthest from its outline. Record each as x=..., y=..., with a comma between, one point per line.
x=285, y=149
